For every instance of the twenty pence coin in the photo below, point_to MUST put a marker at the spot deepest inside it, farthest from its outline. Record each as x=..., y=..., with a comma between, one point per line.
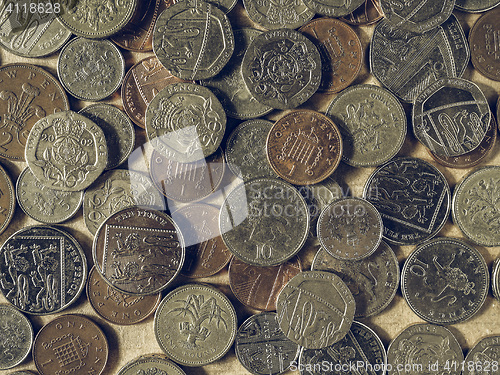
x=366, y=14
x=333, y=8
x=154, y=364
x=278, y=14
x=16, y=336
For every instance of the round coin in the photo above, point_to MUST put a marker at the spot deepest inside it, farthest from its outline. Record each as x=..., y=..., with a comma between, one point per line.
x=476, y=6
x=278, y=14
x=154, y=364
x=366, y=14
x=484, y=354
x=495, y=279
x=7, y=200
x=333, y=8
x=195, y=324
x=16, y=337
x=481, y=40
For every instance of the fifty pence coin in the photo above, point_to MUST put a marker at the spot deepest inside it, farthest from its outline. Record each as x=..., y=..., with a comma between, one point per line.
x=476, y=6
x=16, y=337
x=366, y=14
x=278, y=14
x=7, y=200
x=333, y=8
x=483, y=356
x=154, y=364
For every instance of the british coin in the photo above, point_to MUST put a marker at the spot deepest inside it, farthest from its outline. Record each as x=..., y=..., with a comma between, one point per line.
x=117, y=128
x=117, y=307
x=28, y=93
x=154, y=364
x=185, y=122
x=483, y=356
x=66, y=151
x=373, y=281
x=262, y=348
x=72, y=343
x=16, y=337
x=304, y=147
x=333, y=8
x=406, y=62
x=413, y=198
x=7, y=199
x=192, y=341
x=315, y=309
x=22, y=373
x=474, y=206
x=451, y=116
x=258, y=287
x=484, y=53
x=495, y=278
x=278, y=14
x=193, y=39
x=372, y=122
x=282, y=68
x=366, y=14
x=264, y=222
x=229, y=85
x=42, y=270
x=340, y=50
x=445, y=281
x=225, y=5
x=44, y=204
x=115, y=190
x=90, y=69
x=476, y=6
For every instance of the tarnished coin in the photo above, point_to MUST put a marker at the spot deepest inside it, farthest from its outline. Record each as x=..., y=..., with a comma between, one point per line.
x=185, y=122
x=193, y=39
x=90, y=69
x=278, y=14
x=483, y=357
x=340, y=50
x=258, y=287
x=282, y=68
x=28, y=94
x=195, y=324
x=373, y=281
x=42, y=270
x=7, y=200
x=475, y=206
x=44, y=204
x=484, y=52
x=304, y=147
x=66, y=151
x=264, y=222
x=16, y=337
x=152, y=364
x=413, y=198
x=138, y=251
x=495, y=278
x=445, y=281
x=262, y=348
x=117, y=128
x=71, y=343
x=406, y=62
x=333, y=8
x=366, y=14
x=315, y=309
x=117, y=307
x=476, y=6
x=372, y=122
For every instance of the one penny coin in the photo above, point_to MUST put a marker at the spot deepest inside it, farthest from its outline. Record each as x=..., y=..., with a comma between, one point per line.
x=7, y=200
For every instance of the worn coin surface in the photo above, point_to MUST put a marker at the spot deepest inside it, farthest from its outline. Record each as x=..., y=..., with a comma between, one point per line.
x=138, y=251
x=90, y=69
x=476, y=6
x=315, y=309
x=366, y=14
x=42, y=269
x=71, y=343
x=264, y=222
x=483, y=357
x=282, y=68
x=304, y=147
x=278, y=14
x=372, y=122
x=333, y=8
x=7, y=199
x=16, y=337
x=262, y=348
x=195, y=324
x=484, y=51
x=151, y=364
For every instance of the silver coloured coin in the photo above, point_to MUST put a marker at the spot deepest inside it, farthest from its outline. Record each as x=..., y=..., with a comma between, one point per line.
x=476, y=6
x=16, y=337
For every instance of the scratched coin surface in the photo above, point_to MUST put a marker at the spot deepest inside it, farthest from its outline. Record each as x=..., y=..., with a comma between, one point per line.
x=16, y=337
x=483, y=355
x=315, y=309
x=264, y=222
x=7, y=199
x=484, y=52
x=333, y=8
x=279, y=14
x=42, y=270
x=195, y=324
x=304, y=147
x=151, y=364
x=476, y=6
x=366, y=14
x=258, y=287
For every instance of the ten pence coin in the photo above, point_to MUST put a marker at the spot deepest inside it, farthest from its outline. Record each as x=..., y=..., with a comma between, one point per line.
x=278, y=14
x=16, y=337
x=7, y=200
x=333, y=8
x=151, y=364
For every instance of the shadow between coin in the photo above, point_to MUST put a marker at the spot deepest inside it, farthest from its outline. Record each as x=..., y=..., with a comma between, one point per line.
x=112, y=338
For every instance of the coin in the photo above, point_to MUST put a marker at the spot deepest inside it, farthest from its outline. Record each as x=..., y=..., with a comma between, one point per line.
x=282, y=68
x=366, y=14
x=483, y=356
x=16, y=337
x=90, y=69
x=72, y=343
x=185, y=122
x=340, y=50
x=117, y=307
x=151, y=364
x=258, y=287
x=445, y=281
x=476, y=6
x=7, y=200
x=262, y=348
x=315, y=309
x=372, y=122
x=28, y=93
x=43, y=270
x=192, y=341
x=264, y=222
x=304, y=147
x=44, y=204
x=333, y=8
x=413, y=198
x=278, y=14
x=225, y=5
x=22, y=373
x=495, y=279
x=193, y=39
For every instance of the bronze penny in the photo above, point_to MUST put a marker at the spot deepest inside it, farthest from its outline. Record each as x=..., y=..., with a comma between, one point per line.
x=367, y=14
x=117, y=307
x=483, y=40
x=70, y=344
x=304, y=147
x=340, y=50
x=7, y=199
x=27, y=94
x=258, y=287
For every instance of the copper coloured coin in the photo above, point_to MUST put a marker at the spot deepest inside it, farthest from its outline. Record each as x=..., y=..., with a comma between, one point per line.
x=304, y=147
